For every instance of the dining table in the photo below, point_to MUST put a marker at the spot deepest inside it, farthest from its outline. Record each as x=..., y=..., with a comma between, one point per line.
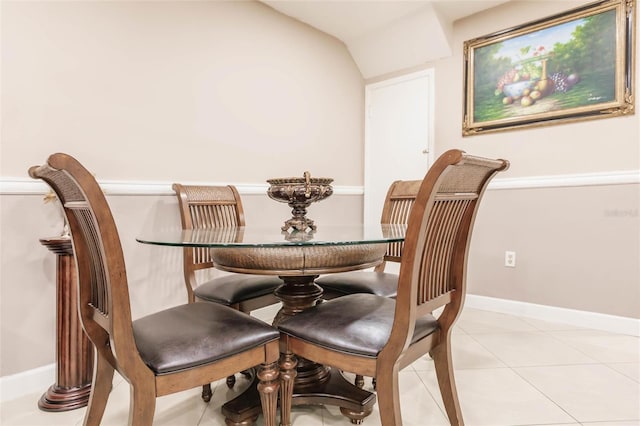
x=298, y=258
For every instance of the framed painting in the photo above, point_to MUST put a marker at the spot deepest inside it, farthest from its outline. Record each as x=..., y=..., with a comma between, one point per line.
x=577, y=65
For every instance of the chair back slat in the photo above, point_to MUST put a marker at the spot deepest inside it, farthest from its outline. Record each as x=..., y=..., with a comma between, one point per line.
x=99, y=293
x=398, y=203
x=205, y=207
x=213, y=215
x=442, y=230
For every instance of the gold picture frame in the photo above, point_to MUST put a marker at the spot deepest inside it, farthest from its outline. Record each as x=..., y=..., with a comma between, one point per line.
x=576, y=65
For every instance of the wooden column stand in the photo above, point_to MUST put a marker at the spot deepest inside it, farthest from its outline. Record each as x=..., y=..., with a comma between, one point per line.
x=74, y=353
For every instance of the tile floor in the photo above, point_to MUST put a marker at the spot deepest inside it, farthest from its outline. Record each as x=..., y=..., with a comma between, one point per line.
x=510, y=371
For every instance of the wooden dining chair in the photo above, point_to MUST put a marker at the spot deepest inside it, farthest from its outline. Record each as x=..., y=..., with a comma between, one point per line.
x=396, y=209
x=397, y=205
x=204, y=207
x=377, y=336
x=165, y=352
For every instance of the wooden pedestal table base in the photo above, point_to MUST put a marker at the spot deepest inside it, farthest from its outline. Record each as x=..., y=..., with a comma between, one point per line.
x=74, y=353
x=315, y=384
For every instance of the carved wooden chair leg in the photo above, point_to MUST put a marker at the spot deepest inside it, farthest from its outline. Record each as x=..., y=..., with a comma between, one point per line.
x=102, y=382
x=268, y=375
x=441, y=355
x=288, y=374
x=231, y=381
x=206, y=392
x=389, y=399
x=143, y=403
x=359, y=382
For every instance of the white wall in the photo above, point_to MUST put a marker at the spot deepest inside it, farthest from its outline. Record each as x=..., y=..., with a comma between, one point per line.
x=139, y=92
x=210, y=91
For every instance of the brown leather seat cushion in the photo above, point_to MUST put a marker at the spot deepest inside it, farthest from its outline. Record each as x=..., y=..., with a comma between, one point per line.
x=380, y=283
x=236, y=288
x=355, y=324
x=198, y=333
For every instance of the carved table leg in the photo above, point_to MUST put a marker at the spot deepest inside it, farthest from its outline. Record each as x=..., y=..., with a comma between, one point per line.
x=314, y=383
x=74, y=353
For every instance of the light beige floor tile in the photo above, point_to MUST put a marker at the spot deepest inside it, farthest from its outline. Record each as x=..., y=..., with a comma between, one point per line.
x=424, y=363
x=268, y=313
x=184, y=408
x=531, y=348
x=550, y=326
x=308, y=415
x=602, y=346
x=498, y=396
x=466, y=352
x=417, y=405
x=24, y=411
x=629, y=369
x=474, y=321
x=608, y=393
x=590, y=393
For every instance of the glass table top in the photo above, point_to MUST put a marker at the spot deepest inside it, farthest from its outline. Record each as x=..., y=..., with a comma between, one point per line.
x=263, y=236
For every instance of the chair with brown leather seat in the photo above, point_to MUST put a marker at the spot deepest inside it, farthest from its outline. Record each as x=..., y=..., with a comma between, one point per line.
x=392, y=333
x=396, y=209
x=205, y=207
x=169, y=351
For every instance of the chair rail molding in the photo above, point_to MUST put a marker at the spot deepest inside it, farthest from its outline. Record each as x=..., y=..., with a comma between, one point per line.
x=623, y=177
x=26, y=186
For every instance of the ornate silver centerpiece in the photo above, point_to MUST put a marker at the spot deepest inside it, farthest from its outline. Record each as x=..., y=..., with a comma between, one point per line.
x=299, y=193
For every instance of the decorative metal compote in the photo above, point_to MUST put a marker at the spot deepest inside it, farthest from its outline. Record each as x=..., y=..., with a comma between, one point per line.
x=299, y=193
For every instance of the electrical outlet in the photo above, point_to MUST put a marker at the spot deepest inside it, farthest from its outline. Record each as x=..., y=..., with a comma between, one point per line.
x=510, y=259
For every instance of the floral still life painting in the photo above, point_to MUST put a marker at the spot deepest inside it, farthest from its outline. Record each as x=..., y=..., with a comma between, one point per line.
x=573, y=66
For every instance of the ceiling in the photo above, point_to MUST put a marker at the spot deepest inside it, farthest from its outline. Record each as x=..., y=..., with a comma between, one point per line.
x=384, y=36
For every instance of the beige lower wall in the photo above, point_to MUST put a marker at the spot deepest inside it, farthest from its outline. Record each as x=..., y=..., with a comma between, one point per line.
x=27, y=275
x=577, y=247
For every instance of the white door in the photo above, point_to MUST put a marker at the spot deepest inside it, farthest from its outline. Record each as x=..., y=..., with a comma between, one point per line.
x=398, y=135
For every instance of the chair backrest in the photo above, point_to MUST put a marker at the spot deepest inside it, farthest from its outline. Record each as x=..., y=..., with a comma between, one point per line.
x=103, y=293
x=396, y=209
x=203, y=207
x=433, y=267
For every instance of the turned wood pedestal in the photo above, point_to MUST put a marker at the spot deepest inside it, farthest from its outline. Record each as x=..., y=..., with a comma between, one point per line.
x=74, y=353
x=298, y=267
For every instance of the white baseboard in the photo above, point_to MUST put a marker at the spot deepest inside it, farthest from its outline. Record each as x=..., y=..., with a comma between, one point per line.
x=594, y=320
x=27, y=382
x=39, y=379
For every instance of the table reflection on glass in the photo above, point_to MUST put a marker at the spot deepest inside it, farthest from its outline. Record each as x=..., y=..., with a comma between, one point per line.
x=298, y=258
